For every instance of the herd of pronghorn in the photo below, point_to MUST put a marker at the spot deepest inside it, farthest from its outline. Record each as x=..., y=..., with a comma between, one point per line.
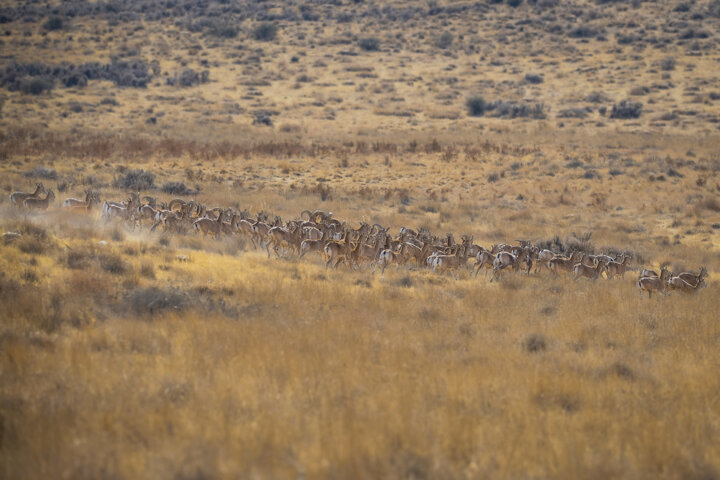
x=337, y=242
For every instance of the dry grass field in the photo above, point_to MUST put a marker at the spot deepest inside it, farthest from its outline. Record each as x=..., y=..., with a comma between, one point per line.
x=130, y=353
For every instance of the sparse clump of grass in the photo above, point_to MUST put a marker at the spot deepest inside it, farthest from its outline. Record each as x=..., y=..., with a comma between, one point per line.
x=117, y=235
x=626, y=110
x=29, y=276
x=476, y=106
x=369, y=44
x=113, y=263
x=668, y=63
x=176, y=188
x=137, y=180
x=147, y=270
x=42, y=172
x=533, y=78
x=444, y=40
x=154, y=300
x=36, y=85
x=265, y=32
x=77, y=260
x=535, y=343
x=53, y=23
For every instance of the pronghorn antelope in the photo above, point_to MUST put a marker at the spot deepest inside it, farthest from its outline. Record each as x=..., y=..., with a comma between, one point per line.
x=617, y=269
x=654, y=284
x=543, y=259
x=485, y=260
x=245, y=228
x=125, y=211
x=582, y=270
x=39, y=203
x=280, y=236
x=502, y=261
x=693, y=279
x=386, y=258
x=336, y=251
x=410, y=251
x=592, y=260
x=260, y=231
x=450, y=261
x=647, y=273
x=561, y=263
x=308, y=246
x=311, y=232
x=312, y=216
x=75, y=205
x=678, y=283
x=231, y=227
x=18, y=198
x=208, y=226
x=369, y=253
x=147, y=212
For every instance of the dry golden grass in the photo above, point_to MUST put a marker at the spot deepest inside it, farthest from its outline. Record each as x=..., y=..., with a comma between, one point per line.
x=150, y=355
x=121, y=360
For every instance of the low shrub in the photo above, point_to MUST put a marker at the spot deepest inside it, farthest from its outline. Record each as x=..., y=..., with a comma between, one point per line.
x=265, y=32
x=135, y=180
x=369, y=44
x=626, y=110
x=476, y=106
x=53, y=23
x=36, y=85
x=113, y=263
x=176, y=188
x=444, y=41
x=533, y=78
x=42, y=172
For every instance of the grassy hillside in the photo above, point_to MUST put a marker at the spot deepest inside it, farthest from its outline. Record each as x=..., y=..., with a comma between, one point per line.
x=137, y=354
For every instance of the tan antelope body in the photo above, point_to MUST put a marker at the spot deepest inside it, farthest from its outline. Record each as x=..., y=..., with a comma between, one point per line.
x=281, y=236
x=18, y=198
x=654, y=284
x=39, y=203
x=561, y=263
x=82, y=206
x=585, y=271
x=617, y=269
x=504, y=260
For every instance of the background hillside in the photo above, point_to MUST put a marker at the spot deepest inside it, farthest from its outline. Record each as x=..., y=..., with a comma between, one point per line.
x=576, y=125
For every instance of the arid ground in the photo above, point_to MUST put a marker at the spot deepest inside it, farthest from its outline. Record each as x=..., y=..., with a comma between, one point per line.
x=576, y=125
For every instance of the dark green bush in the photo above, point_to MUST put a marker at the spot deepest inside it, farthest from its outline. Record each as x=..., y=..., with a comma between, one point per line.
x=265, y=32
x=53, y=23
x=369, y=44
x=476, y=106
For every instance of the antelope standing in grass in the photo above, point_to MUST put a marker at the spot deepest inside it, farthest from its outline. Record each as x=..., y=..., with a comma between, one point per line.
x=75, y=205
x=336, y=251
x=504, y=260
x=450, y=261
x=543, y=259
x=208, y=226
x=483, y=260
x=125, y=211
x=617, y=269
x=677, y=283
x=39, y=203
x=280, y=236
x=692, y=278
x=18, y=198
x=561, y=263
x=654, y=284
x=410, y=251
x=386, y=258
x=308, y=246
x=582, y=270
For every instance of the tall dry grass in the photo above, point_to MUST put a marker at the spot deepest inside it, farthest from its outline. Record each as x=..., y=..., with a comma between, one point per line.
x=233, y=365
